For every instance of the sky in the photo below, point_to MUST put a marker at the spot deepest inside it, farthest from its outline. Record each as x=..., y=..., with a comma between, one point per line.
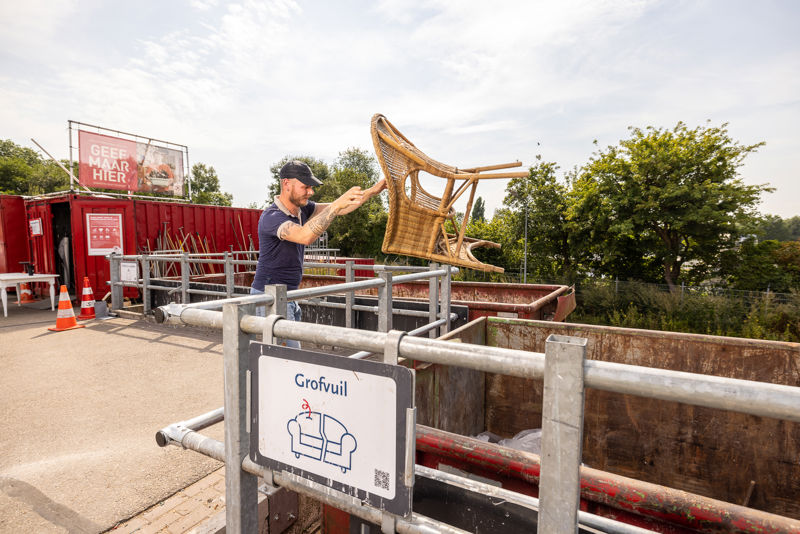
x=471, y=83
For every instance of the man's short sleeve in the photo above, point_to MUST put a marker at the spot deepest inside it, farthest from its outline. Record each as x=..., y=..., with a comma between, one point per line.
x=280, y=228
x=271, y=222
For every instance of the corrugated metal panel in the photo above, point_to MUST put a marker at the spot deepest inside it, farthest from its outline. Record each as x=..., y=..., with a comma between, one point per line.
x=13, y=234
x=222, y=228
x=42, y=248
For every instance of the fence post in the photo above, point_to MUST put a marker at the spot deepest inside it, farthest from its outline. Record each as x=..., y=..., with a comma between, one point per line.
x=241, y=497
x=278, y=306
x=229, y=279
x=445, y=300
x=184, y=279
x=116, y=289
x=145, y=284
x=385, y=303
x=433, y=297
x=349, y=297
x=562, y=434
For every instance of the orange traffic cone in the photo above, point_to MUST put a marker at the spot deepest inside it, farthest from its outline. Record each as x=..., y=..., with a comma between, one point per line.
x=25, y=294
x=65, y=320
x=87, y=301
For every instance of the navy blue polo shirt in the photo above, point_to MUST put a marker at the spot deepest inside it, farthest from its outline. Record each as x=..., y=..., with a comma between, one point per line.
x=279, y=261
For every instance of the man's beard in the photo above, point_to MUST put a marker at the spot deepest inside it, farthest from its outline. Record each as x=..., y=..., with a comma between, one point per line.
x=298, y=200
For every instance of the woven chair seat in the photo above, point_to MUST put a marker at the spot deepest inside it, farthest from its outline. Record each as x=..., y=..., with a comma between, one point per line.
x=417, y=224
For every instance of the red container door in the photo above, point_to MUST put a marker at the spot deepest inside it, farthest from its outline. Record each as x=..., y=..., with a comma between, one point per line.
x=42, y=249
x=97, y=227
x=13, y=234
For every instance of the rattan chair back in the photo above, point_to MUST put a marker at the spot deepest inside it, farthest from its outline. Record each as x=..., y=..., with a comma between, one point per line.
x=417, y=224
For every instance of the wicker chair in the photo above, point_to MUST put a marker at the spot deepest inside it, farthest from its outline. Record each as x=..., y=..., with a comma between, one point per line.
x=416, y=225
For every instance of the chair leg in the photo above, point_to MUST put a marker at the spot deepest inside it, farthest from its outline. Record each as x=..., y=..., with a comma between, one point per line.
x=466, y=218
x=446, y=240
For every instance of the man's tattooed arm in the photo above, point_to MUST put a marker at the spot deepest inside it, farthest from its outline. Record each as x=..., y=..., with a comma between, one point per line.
x=286, y=228
x=321, y=222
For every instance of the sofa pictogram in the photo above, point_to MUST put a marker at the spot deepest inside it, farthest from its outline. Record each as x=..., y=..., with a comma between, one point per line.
x=321, y=437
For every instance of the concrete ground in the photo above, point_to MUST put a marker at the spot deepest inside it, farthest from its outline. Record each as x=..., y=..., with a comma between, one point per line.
x=79, y=410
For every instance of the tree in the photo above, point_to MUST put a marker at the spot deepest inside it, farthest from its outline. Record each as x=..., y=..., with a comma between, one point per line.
x=205, y=186
x=24, y=172
x=478, y=210
x=359, y=233
x=753, y=266
x=787, y=257
x=774, y=227
x=544, y=200
x=500, y=230
x=665, y=196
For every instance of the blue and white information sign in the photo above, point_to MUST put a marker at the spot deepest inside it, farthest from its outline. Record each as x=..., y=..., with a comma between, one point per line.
x=337, y=421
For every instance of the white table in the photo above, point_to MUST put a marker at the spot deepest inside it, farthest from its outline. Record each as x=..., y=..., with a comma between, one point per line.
x=15, y=279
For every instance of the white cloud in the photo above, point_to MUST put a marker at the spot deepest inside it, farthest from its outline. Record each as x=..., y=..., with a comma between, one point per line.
x=470, y=82
x=203, y=5
x=30, y=23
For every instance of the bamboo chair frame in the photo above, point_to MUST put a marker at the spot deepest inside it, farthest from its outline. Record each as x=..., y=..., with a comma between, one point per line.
x=417, y=219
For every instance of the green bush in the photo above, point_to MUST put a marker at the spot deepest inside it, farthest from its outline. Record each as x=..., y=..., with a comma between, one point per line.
x=634, y=305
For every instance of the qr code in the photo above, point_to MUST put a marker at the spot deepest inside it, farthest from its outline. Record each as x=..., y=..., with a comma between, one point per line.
x=381, y=479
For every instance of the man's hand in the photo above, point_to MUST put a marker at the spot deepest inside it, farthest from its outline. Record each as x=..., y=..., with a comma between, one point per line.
x=375, y=189
x=355, y=197
x=348, y=202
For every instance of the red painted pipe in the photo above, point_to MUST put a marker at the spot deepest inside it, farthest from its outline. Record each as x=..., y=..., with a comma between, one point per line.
x=657, y=505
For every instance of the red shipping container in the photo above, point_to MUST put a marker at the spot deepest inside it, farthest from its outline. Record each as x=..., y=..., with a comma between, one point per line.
x=13, y=234
x=68, y=231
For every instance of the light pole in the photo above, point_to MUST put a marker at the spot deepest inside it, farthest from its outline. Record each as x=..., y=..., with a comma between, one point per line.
x=525, y=253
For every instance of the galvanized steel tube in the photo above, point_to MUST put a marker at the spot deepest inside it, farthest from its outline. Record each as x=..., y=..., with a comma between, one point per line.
x=584, y=518
x=338, y=288
x=416, y=524
x=419, y=276
x=746, y=396
x=756, y=398
x=359, y=307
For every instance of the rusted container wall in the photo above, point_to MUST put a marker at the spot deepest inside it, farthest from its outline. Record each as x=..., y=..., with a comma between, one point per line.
x=13, y=234
x=485, y=299
x=711, y=452
x=451, y=398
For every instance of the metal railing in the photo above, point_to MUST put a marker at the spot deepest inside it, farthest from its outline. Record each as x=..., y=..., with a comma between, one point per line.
x=563, y=368
x=152, y=271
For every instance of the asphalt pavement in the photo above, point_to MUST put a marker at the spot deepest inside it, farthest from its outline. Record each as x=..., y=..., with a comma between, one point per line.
x=79, y=410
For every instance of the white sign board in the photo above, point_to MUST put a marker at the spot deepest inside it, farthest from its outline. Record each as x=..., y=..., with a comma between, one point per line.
x=36, y=227
x=339, y=422
x=129, y=271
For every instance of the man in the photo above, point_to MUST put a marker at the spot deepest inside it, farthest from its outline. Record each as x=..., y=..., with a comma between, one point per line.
x=292, y=222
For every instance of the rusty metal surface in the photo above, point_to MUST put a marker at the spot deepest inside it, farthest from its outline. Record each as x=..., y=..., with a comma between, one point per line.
x=281, y=510
x=526, y=301
x=451, y=398
x=700, y=450
x=633, y=501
